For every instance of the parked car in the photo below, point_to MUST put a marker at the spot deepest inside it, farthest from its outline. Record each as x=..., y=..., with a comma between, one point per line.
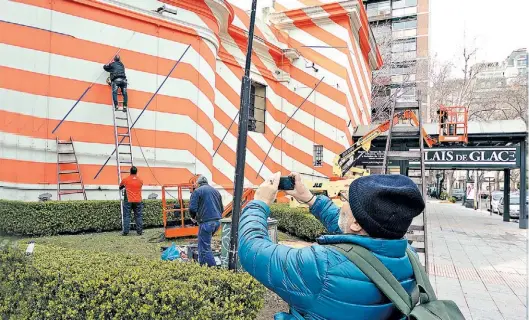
x=492, y=205
x=514, y=206
x=458, y=194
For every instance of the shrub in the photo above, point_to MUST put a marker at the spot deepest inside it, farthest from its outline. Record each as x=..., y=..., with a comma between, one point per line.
x=297, y=222
x=60, y=217
x=452, y=199
x=58, y=283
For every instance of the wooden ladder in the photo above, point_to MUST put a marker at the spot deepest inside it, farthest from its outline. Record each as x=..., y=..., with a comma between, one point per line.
x=68, y=171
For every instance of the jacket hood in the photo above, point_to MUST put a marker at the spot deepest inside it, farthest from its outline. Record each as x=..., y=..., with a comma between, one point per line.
x=383, y=247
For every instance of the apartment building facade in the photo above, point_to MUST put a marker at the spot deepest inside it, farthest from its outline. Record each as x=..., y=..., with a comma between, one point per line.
x=52, y=51
x=401, y=28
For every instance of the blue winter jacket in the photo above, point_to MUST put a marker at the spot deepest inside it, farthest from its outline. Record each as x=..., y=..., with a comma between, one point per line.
x=319, y=282
x=206, y=204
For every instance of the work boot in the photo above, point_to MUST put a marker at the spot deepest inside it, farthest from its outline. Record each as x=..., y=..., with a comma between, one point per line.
x=124, y=108
x=116, y=108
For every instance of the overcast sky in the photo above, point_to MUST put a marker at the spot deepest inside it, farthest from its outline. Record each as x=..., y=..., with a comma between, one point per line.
x=495, y=27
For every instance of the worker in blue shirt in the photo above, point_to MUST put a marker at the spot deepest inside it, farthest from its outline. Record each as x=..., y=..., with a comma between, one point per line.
x=206, y=208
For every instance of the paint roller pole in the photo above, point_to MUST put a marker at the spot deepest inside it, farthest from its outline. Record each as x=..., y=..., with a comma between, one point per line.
x=144, y=108
x=241, y=146
x=86, y=91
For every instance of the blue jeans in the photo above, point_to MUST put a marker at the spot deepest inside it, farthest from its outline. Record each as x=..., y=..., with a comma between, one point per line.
x=205, y=233
x=137, y=207
x=119, y=83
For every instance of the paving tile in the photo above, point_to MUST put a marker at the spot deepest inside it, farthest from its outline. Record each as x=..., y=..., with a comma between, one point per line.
x=478, y=261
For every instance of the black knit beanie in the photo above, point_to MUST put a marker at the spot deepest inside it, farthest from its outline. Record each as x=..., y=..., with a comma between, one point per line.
x=385, y=205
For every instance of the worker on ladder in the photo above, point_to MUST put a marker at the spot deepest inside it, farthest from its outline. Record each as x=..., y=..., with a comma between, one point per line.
x=118, y=79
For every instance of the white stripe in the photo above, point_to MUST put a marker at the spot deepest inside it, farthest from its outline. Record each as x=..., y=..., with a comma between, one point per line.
x=291, y=4
x=276, y=155
x=97, y=32
x=77, y=69
x=99, y=114
x=341, y=58
x=22, y=148
x=357, y=58
x=287, y=108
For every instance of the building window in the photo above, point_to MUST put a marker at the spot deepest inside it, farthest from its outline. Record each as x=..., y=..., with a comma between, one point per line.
x=318, y=156
x=403, y=25
x=378, y=9
x=404, y=4
x=256, y=119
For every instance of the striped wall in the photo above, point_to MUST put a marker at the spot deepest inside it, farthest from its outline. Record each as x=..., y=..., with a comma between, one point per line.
x=51, y=51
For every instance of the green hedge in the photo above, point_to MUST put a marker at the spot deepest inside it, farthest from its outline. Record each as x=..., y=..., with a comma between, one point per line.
x=70, y=217
x=58, y=283
x=62, y=217
x=297, y=222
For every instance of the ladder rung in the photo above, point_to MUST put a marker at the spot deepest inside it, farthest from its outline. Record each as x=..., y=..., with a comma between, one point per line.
x=70, y=182
x=68, y=171
x=66, y=152
x=122, y=126
x=407, y=106
x=121, y=118
x=71, y=192
x=419, y=250
x=67, y=161
x=125, y=153
x=64, y=142
x=124, y=144
x=123, y=135
x=125, y=161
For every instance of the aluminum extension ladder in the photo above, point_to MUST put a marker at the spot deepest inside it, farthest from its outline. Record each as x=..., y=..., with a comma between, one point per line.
x=418, y=232
x=123, y=142
x=68, y=171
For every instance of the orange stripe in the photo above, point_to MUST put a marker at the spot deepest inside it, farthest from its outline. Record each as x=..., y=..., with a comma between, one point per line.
x=40, y=128
x=252, y=146
x=246, y=21
x=282, y=117
x=279, y=8
x=310, y=3
x=36, y=39
x=57, y=87
x=123, y=18
x=295, y=153
x=313, y=29
x=288, y=95
x=30, y=172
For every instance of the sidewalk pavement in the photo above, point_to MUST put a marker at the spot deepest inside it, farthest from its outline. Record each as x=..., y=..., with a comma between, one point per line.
x=478, y=261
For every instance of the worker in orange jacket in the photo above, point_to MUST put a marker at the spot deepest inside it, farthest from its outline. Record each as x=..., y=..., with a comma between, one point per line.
x=132, y=201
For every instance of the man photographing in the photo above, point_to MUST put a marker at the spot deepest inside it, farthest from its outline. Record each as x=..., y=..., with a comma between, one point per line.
x=319, y=282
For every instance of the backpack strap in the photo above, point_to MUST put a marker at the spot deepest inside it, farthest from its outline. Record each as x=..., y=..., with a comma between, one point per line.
x=380, y=275
x=427, y=292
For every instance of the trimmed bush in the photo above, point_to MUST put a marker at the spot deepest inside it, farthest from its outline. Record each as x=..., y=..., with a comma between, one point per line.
x=297, y=222
x=66, y=217
x=58, y=283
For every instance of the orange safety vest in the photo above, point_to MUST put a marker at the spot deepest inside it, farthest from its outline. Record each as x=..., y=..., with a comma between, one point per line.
x=133, y=185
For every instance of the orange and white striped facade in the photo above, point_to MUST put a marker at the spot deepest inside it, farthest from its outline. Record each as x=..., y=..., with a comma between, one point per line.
x=52, y=50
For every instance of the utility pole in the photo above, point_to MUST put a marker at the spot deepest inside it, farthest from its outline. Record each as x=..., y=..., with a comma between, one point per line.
x=241, y=146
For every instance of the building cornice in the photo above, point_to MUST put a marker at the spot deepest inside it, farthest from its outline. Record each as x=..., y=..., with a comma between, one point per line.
x=351, y=10
x=139, y=14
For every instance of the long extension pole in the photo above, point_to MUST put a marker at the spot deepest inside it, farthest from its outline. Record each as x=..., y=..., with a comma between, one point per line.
x=87, y=89
x=284, y=127
x=144, y=108
x=241, y=145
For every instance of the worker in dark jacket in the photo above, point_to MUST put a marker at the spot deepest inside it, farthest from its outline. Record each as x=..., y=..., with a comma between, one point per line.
x=118, y=80
x=319, y=282
x=206, y=208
